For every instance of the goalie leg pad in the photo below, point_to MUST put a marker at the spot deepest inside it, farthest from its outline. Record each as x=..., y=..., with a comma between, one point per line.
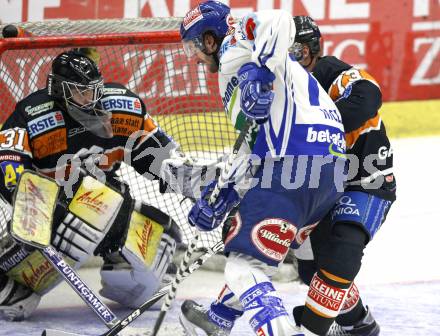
x=131, y=275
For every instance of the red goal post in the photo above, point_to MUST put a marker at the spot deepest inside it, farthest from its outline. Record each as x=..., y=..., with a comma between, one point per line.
x=145, y=55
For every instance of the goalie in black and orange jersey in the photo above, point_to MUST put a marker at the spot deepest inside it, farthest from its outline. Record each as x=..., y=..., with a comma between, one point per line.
x=78, y=119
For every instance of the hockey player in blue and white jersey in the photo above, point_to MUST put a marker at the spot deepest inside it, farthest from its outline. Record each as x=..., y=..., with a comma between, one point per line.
x=300, y=144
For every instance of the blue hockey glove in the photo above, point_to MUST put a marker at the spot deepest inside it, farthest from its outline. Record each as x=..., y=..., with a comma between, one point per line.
x=207, y=217
x=256, y=91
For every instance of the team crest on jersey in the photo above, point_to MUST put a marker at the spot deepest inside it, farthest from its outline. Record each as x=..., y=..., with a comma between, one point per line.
x=273, y=237
x=192, y=17
x=45, y=123
x=122, y=103
x=248, y=27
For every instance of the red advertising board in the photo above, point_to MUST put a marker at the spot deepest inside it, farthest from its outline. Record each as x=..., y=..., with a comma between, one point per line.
x=397, y=41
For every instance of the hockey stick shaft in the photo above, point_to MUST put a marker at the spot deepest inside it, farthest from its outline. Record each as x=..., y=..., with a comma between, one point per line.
x=175, y=283
x=118, y=327
x=80, y=287
x=244, y=133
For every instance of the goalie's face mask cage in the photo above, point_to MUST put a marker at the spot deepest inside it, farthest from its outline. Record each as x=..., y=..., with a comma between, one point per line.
x=307, y=32
x=76, y=81
x=209, y=17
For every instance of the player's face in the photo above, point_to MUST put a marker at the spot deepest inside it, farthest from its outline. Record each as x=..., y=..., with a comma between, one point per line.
x=82, y=98
x=306, y=60
x=208, y=60
x=193, y=49
x=85, y=95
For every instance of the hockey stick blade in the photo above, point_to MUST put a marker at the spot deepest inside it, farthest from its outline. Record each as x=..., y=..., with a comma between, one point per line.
x=118, y=327
x=121, y=324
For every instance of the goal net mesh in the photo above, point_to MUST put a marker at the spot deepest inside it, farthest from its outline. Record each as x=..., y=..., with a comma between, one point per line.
x=144, y=55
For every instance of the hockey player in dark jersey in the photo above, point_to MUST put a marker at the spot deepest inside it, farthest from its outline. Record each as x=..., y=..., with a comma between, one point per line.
x=76, y=117
x=338, y=241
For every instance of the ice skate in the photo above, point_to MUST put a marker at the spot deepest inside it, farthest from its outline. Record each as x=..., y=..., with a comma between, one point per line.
x=195, y=320
x=367, y=326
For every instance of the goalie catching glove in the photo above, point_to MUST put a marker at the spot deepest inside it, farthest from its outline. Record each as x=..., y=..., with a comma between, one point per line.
x=185, y=175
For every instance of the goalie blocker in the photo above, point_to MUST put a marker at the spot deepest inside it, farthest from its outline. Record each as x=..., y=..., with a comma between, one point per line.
x=136, y=241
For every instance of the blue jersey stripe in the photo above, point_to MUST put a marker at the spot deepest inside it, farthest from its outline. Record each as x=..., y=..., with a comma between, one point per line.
x=313, y=91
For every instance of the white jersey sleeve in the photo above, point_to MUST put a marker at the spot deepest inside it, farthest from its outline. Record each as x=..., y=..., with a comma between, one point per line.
x=303, y=119
x=272, y=33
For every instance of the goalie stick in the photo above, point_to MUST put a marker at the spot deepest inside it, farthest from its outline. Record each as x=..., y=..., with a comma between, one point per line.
x=223, y=179
x=119, y=326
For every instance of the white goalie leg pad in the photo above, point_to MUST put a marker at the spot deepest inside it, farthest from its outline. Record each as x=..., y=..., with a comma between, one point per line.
x=132, y=283
x=248, y=278
x=123, y=283
x=17, y=302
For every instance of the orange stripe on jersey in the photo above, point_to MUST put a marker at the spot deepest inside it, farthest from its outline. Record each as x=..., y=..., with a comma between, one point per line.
x=15, y=139
x=149, y=128
x=369, y=125
x=334, y=277
x=50, y=143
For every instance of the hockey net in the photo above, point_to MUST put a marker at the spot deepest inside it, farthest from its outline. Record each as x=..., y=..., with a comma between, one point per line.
x=144, y=55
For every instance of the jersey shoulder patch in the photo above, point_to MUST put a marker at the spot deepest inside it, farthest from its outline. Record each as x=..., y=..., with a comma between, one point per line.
x=346, y=79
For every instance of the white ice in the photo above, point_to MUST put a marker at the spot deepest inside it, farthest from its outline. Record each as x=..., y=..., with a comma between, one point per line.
x=399, y=279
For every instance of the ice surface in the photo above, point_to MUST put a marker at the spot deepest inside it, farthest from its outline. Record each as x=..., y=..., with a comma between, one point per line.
x=399, y=279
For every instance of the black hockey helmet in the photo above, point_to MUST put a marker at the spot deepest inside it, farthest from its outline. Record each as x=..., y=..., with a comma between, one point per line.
x=76, y=79
x=307, y=32
x=78, y=84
